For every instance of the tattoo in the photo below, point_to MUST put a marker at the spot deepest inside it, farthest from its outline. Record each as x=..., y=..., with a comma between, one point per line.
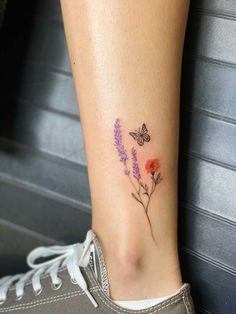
x=141, y=136
x=142, y=192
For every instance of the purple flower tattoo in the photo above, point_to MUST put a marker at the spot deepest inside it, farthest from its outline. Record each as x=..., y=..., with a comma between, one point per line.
x=118, y=142
x=136, y=170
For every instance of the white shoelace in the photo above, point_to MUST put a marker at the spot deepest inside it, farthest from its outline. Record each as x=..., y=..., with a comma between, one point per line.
x=71, y=256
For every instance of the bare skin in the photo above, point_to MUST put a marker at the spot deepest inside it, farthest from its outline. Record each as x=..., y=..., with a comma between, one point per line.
x=126, y=62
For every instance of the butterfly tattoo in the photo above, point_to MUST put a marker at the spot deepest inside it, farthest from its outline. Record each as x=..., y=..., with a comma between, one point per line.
x=141, y=136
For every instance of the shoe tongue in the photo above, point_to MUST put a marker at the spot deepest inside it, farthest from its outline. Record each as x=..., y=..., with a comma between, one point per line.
x=98, y=265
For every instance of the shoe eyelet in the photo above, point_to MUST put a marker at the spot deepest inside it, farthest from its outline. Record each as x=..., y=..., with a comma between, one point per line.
x=57, y=286
x=2, y=301
x=73, y=281
x=38, y=292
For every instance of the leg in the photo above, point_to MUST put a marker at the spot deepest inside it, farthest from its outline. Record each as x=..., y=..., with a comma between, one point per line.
x=126, y=61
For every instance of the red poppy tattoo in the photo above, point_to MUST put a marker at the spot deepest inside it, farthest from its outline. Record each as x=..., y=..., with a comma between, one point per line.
x=152, y=166
x=142, y=192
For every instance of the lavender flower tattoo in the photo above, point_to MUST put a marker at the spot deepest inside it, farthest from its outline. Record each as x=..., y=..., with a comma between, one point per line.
x=142, y=192
x=118, y=142
x=136, y=170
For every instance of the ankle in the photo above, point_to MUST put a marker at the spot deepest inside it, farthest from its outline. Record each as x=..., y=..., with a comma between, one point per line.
x=143, y=274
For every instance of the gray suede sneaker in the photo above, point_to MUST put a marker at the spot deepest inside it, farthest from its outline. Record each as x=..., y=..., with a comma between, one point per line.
x=73, y=280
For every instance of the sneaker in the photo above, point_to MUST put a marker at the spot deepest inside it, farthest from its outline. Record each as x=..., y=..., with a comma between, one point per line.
x=73, y=279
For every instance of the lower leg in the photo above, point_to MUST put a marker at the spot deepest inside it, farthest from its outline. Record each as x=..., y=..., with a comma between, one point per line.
x=126, y=62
